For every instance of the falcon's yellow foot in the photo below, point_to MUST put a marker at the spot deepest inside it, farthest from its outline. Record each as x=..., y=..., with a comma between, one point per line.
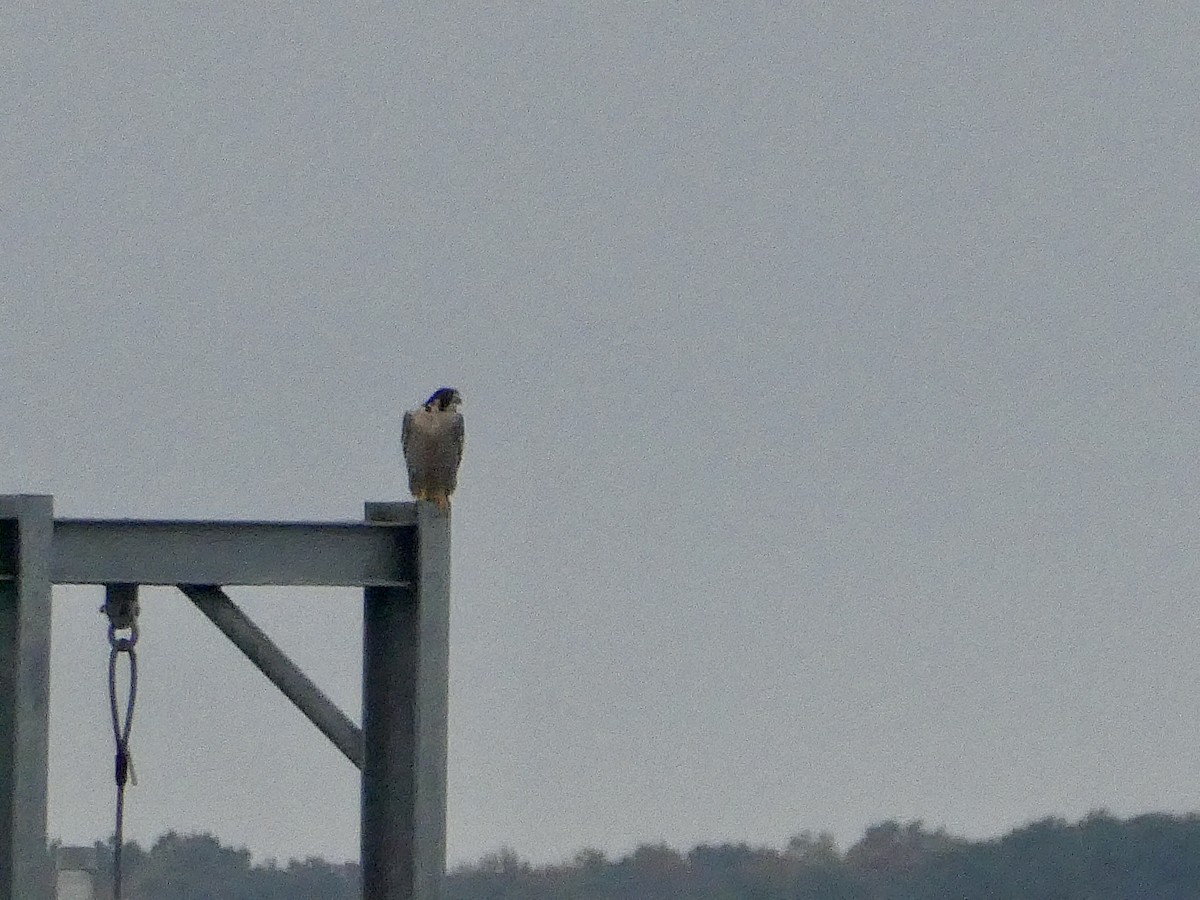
x=443, y=503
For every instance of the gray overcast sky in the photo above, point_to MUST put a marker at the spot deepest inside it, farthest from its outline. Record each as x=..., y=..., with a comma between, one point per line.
x=831, y=397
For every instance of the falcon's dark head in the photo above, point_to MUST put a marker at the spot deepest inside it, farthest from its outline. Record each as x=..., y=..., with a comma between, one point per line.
x=443, y=399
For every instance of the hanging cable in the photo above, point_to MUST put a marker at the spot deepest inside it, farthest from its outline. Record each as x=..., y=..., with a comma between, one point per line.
x=121, y=607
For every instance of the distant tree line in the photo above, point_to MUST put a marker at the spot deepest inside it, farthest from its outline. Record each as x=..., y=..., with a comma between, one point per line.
x=1150, y=857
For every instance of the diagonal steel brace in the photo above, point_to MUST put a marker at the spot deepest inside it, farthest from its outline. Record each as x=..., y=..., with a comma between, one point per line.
x=282, y=672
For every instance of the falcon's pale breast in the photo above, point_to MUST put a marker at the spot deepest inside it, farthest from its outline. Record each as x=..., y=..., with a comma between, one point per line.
x=433, y=449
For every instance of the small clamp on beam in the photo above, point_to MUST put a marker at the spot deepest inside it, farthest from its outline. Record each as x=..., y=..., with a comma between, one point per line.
x=121, y=607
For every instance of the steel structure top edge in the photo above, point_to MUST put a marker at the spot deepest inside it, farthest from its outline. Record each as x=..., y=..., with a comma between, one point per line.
x=232, y=552
x=403, y=521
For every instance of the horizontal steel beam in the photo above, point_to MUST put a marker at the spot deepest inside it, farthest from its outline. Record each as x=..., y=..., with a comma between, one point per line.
x=351, y=554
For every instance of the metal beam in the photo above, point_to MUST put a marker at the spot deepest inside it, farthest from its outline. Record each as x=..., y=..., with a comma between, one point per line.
x=405, y=682
x=352, y=554
x=283, y=673
x=25, y=529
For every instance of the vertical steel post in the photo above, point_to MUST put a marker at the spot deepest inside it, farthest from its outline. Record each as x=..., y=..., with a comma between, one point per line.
x=406, y=633
x=26, y=527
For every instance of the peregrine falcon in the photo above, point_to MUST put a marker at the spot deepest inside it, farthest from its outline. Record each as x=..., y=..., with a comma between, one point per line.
x=433, y=446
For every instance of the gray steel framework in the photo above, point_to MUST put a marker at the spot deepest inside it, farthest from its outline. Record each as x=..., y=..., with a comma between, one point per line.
x=400, y=555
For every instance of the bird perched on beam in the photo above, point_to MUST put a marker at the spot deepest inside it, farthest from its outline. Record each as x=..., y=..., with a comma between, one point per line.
x=433, y=446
